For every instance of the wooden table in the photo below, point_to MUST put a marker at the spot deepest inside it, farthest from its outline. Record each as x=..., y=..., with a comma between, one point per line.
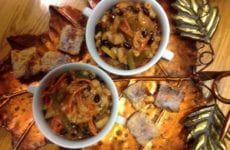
x=32, y=16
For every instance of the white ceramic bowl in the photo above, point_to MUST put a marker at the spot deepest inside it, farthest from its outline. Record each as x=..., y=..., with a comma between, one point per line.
x=94, y=16
x=39, y=116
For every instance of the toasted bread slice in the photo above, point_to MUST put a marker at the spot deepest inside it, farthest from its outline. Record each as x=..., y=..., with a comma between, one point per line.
x=25, y=62
x=71, y=39
x=53, y=59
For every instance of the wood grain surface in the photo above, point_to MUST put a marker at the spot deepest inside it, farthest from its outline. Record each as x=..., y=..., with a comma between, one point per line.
x=32, y=17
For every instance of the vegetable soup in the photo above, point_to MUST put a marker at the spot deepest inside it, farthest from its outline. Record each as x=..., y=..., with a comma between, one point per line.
x=128, y=35
x=76, y=104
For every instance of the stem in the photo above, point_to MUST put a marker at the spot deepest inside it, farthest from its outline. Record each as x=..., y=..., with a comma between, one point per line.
x=151, y=78
x=6, y=98
x=208, y=63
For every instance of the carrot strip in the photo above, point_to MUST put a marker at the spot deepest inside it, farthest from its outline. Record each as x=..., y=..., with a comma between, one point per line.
x=49, y=105
x=71, y=98
x=45, y=93
x=92, y=127
x=80, y=89
x=69, y=103
x=56, y=125
x=91, y=107
x=81, y=80
x=80, y=101
x=48, y=91
x=79, y=96
x=125, y=27
x=143, y=44
x=59, y=81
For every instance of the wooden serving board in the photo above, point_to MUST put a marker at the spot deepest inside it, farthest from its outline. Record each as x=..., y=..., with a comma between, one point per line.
x=32, y=17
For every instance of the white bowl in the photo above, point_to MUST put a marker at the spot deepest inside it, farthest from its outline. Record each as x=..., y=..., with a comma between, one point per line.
x=39, y=116
x=94, y=16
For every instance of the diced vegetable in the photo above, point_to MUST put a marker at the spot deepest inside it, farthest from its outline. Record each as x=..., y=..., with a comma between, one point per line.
x=143, y=44
x=118, y=39
x=44, y=107
x=144, y=21
x=152, y=13
x=56, y=107
x=144, y=55
x=108, y=35
x=49, y=114
x=133, y=23
x=92, y=127
x=115, y=25
x=107, y=51
x=115, y=62
x=121, y=56
x=58, y=95
x=83, y=74
x=101, y=123
x=123, y=5
x=131, y=62
x=136, y=39
x=73, y=101
x=140, y=58
x=125, y=27
x=129, y=26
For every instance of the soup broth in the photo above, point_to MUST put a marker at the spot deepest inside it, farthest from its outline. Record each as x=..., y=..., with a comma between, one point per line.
x=76, y=104
x=128, y=35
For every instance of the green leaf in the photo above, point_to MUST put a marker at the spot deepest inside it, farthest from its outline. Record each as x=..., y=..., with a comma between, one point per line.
x=204, y=128
x=196, y=19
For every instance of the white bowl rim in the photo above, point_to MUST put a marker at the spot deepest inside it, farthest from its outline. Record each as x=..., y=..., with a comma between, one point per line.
x=92, y=48
x=39, y=116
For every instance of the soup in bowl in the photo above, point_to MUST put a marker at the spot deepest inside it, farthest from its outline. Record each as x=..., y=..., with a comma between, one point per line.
x=75, y=105
x=127, y=37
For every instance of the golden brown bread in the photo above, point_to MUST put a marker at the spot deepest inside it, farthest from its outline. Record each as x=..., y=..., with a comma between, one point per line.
x=53, y=59
x=25, y=62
